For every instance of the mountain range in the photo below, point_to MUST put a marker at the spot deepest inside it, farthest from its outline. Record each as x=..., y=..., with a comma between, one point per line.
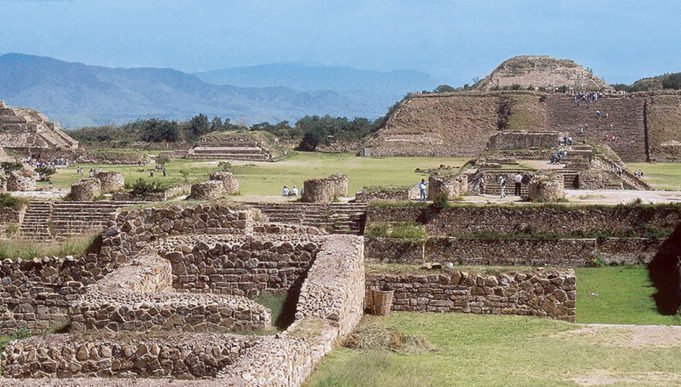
x=80, y=95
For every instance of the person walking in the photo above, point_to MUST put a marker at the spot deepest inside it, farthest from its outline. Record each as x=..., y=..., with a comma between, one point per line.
x=422, y=190
x=518, y=180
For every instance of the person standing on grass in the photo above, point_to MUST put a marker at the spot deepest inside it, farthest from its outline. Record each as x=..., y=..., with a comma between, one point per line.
x=518, y=180
x=422, y=190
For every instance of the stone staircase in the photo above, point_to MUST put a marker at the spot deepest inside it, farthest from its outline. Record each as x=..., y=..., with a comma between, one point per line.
x=75, y=218
x=623, y=130
x=337, y=218
x=36, y=222
x=248, y=152
x=62, y=219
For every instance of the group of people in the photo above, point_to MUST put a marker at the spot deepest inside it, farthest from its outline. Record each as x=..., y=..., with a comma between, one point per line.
x=589, y=97
x=91, y=173
x=638, y=173
x=557, y=157
x=517, y=184
x=600, y=114
x=290, y=192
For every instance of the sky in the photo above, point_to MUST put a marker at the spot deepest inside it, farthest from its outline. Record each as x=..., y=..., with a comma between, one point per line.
x=453, y=41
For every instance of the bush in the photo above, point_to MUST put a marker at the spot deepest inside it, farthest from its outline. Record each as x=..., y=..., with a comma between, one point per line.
x=7, y=200
x=441, y=200
x=142, y=187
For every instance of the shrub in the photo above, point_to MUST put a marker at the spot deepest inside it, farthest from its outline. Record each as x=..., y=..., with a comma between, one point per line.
x=12, y=229
x=7, y=200
x=441, y=200
x=142, y=187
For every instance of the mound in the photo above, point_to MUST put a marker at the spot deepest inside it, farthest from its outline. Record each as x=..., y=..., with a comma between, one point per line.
x=541, y=72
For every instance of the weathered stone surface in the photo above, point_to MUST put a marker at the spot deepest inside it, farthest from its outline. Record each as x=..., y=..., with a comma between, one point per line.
x=22, y=180
x=229, y=182
x=208, y=190
x=325, y=190
x=546, y=188
x=86, y=190
x=111, y=181
x=548, y=293
x=453, y=186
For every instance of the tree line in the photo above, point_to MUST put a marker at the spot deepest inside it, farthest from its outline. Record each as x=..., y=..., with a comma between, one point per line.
x=309, y=131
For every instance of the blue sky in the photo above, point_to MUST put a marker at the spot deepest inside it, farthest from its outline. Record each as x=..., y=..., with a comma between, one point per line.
x=453, y=41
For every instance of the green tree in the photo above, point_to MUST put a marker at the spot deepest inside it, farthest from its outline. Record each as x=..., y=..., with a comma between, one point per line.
x=199, y=125
x=444, y=89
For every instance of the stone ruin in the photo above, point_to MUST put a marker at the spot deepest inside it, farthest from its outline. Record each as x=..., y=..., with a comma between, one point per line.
x=546, y=188
x=111, y=181
x=453, y=186
x=229, y=182
x=21, y=180
x=28, y=130
x=325, y=190
x=164, y=287
x=86, y=190
x=221, y=183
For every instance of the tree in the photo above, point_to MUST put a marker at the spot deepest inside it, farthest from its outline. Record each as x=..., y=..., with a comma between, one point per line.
x=159, y=130
x=444, y=89
x=199, y=125
x=216, y=124
x=672, y=81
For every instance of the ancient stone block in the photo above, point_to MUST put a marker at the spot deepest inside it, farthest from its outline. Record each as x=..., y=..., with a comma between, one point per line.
x=86, y=190
x=111, y=181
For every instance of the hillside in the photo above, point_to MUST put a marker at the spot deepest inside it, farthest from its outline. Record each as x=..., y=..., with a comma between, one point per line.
x=541, y=72
x=77, y=95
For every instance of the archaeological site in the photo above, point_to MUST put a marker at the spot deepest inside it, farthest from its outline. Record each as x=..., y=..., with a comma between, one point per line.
x=220, y=278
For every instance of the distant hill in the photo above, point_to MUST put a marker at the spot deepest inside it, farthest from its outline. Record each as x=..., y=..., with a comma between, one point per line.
x=670, y=81
x=339, y=79
x=78, y=95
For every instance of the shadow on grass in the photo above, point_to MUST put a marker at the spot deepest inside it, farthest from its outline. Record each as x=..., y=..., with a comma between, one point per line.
x=664, y=274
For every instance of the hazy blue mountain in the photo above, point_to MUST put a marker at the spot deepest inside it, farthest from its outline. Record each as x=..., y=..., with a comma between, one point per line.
x=76, y=94
x=339, y=79
x=375, y=89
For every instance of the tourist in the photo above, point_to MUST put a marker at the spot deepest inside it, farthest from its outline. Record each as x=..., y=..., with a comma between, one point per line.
x=502, y=186
x=518, y=180
x=285, y=191
x=294, y=191
x=422, y=190
x=481, y=184
x=151, y=173
x=165, y=172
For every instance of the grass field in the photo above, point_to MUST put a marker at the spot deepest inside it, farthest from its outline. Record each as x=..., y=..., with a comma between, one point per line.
x=265, y=178
x=663, y=176
x=480, y=350
x=520, y=351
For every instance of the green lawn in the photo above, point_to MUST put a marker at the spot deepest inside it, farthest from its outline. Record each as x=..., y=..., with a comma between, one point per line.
x=664, y=176
x=617, y=295
x=266, y=178
x=482, y=350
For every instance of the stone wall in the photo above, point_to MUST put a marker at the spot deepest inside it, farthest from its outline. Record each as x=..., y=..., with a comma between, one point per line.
x=23, y=180
x=86, y=190
x=329, y=306
x=547, y=293
x=230, y=183
x=240, y=266
x=453, y=186
x=9, y=216
x=402, y=193
x=111, y=181
x=522, y=140
x=628, y=251
x=166, y=194
x=560, y=220
x=208, y=190
x=326, y=189
x=514, y=252
x=180, y=355
x=546, y=188
x=36, y=293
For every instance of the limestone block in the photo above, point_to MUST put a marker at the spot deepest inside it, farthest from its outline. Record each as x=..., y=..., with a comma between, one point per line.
x=111, y=181
x=546, y=188
x=86, y=190
x=453, y=186
x=208, y=190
